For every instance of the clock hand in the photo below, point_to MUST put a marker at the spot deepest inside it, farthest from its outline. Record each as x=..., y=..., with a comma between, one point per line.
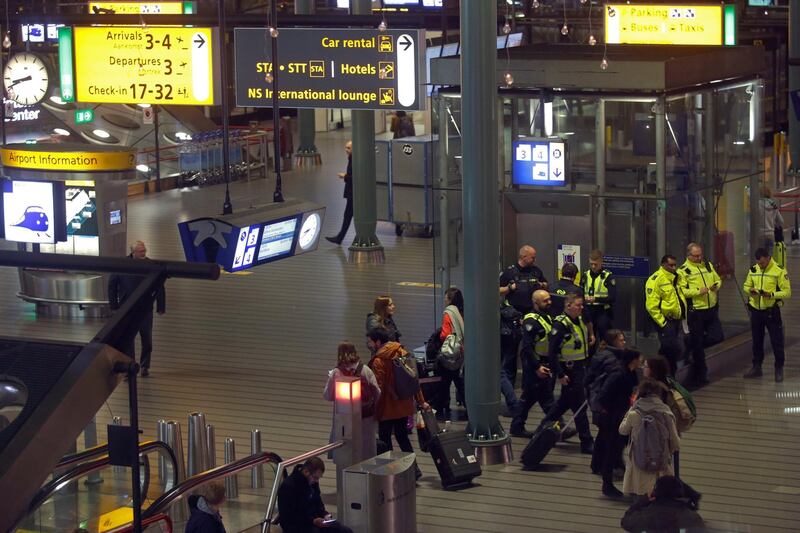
x=18, y=81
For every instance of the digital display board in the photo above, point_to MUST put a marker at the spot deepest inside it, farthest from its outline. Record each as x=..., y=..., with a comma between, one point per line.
x=344, y=68
x=665, y=24
x=33, y=211
x=539, y=162
x=277, y=239
x=144, y=65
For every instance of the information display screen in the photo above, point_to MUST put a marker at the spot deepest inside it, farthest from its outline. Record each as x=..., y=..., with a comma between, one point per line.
x=33, y=211
x=277, y=239
x=539, y=162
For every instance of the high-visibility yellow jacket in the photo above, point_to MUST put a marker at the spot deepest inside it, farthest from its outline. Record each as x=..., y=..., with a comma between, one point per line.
x=695, y=276
x=773, y=280
x=664, y=297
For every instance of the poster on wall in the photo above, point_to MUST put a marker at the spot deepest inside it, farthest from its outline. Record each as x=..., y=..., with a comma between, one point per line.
x=569, y=253
x=33, y=211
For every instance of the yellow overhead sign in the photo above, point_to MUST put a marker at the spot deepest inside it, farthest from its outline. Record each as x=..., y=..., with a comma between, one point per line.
x=83, y=161
x=151, y=65
x=136, y=8
x=664, y=24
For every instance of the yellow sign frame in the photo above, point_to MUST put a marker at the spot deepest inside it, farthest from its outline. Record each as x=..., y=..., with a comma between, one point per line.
x=68, y=161
x=699, y=24
x=162, y=65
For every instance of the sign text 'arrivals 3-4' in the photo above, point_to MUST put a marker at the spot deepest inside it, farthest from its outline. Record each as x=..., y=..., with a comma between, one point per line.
x=346, y=68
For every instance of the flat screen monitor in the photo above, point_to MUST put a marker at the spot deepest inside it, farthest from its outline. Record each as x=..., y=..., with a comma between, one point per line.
x=277, y=239
x=33, y=211
x=539, y=162
x=115, y=217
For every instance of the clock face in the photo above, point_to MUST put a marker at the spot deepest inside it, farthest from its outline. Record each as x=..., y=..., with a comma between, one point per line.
x=26, y=78
x=309, y=231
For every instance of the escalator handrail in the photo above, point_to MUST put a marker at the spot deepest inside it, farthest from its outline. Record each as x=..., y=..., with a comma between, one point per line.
x=234, y=467
x=94, y=465
x=281, y=472
x=82, y=456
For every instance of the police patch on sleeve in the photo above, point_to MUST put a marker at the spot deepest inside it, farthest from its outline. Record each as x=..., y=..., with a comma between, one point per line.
x=649, y=290
x=553, y=332
x=528, y=326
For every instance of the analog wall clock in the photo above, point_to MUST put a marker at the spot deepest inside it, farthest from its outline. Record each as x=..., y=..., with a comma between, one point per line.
x=309, y=231
x=26, y=78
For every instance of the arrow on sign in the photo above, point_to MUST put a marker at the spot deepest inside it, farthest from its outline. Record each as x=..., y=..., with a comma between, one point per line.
x=406, y=42
x=200, y=41
x=557, y=173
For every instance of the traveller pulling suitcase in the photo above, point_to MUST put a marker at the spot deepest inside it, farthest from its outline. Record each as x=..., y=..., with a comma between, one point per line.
x=544, y=438
x=452, y=454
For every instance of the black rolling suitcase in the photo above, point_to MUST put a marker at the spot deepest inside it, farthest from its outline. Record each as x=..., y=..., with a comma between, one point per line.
x=543, y=440
x=454, y=458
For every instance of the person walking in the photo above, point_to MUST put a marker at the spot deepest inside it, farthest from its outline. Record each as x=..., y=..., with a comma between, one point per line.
x=666, y=305
x=120, y=288
x=382, y=316
x=701, y=284
x=348, y=363
x=347, y=176
x=768, y=285
x=391, y=411
x=452, y=324
x=649, y=418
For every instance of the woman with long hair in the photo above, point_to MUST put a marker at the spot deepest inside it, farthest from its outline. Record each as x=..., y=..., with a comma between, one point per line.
x=452, y=324
x=382, y=316
x=348, y=363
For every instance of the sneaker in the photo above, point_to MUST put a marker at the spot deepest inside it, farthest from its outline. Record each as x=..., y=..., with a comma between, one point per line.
x=778, y=375
x=754, y=372
x=333, y=240
x=611, y=491
x=145, y=372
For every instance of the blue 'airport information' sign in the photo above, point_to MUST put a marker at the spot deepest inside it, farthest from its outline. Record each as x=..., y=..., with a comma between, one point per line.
x=627, y=266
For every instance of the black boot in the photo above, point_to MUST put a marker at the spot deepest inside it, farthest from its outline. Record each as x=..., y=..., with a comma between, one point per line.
x=779, y=375
x=611, y=491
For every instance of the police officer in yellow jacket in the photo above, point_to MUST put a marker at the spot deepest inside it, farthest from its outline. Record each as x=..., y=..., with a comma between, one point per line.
x=537, y=381
x=568, y=349
x=768, y=285
x=600, y=293
x=700, y=284
x=666, y=305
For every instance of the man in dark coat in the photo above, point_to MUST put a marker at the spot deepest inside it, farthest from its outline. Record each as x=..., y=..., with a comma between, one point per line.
x=666, y=509
x=300, y=507
x=347, y=176
x=120, y=287
x=204, y=509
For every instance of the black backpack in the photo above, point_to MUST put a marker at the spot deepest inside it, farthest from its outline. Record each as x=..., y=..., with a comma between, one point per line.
x=432, y=348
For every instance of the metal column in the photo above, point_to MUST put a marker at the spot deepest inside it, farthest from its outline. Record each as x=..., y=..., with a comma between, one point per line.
x=444, y=218
x=756, y=219
x=710, y=173
x=661, y=177
x=600, y=170
x=481, y=227
x=305, y=117
x=794, y=83
x=366, y=248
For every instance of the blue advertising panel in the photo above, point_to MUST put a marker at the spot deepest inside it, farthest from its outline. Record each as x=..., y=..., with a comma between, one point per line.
x=32, y=211
x=539, y=162
x=627, y=266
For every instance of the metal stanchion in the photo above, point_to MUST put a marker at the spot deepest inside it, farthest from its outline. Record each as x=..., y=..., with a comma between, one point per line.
x=198, y=451
x=231, y=482
x=170, y=433
x=117, y=421
x=257, y=475
x=211, y=447
x=90, y=441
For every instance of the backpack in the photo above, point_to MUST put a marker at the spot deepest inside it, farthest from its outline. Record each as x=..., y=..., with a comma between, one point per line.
x=368, y=397
x=432, y=348
x=451, y=355
x=594, y=392
x=682, y=405
x=406, y=378
x=650, y=450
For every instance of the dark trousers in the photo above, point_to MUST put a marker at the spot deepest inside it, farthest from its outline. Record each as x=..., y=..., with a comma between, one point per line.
x=442, y=397
x=572, y=398
x=346, y=219
x=509, y=347
x=333, y=528
x=669, y=337
x=771, y=320
x=534, y=389
x=398, y=427
x=705, y=329
x=600, y=318
x=146, y=333
x=608, y=446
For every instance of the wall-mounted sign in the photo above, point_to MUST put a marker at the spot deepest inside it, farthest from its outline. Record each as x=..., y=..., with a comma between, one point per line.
x=539, y=162
x=669, y=24
x=143, y=8
x=152, y=65
x=32, y=211
x=84, y=116
x=21, y=113
x=46, y=157
x=627, y=266
x=345, y=68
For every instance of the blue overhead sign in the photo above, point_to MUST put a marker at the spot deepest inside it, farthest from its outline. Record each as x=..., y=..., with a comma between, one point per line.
x=627, y=266
x=539, y=162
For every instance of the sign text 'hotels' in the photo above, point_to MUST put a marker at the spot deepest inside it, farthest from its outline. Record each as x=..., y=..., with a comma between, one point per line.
x=346, y=68
x=665, y=24
x=152, y=65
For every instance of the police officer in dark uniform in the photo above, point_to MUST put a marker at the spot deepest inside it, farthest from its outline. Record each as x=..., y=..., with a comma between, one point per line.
x=600, y=293
x=566, y=285
x=568, y=348
x=537, y=382
x=517, y=284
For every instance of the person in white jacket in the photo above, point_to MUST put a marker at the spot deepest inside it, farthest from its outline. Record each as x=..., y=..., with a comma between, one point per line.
x=638, y=481
x=349, y=364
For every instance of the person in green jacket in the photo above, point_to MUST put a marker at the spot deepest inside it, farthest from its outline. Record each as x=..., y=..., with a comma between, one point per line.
x=700, y=284
x=768, y=285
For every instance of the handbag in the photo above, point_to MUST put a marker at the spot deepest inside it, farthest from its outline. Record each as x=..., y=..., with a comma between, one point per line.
x=451, y=355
